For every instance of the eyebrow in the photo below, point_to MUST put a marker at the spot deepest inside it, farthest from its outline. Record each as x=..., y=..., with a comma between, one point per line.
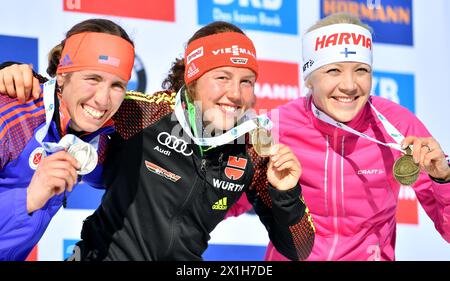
x=122, y=82
x=231, y=74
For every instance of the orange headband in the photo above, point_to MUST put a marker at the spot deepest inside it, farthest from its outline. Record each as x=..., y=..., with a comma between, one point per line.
x=222, y=49
x=97, y=51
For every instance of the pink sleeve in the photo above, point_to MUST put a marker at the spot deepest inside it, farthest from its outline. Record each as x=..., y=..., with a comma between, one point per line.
x=434, y=197
x=240, y=207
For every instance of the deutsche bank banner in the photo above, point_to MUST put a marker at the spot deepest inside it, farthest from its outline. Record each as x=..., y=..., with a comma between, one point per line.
x=262, y=15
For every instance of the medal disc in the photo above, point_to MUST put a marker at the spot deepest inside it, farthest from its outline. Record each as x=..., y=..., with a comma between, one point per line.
x=405, y=171
x=262, y=141
x=86, y=154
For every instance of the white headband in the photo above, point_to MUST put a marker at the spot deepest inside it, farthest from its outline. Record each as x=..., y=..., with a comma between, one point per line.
x=336, y=43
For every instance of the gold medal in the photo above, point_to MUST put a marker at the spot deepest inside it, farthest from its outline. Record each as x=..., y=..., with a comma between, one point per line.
x=262, y=141
x=405, y=171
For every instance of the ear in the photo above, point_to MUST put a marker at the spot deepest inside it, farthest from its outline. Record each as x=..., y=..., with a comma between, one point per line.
x=60, y=79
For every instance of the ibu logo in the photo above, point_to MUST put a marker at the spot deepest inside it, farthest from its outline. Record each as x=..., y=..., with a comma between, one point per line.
x=68, y=247
x=397, y=87
x=264, y=15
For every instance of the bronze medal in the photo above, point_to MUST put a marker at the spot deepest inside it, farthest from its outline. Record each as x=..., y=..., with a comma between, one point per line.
x=405, y=171
x=262, y=141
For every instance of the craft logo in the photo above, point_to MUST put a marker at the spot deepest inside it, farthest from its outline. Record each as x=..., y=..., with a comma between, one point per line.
x=23, y=49
x=138, y=80
x=278, y=83
x=163, y=10
x=399, y=88
x=263, y=15
x=391, y=20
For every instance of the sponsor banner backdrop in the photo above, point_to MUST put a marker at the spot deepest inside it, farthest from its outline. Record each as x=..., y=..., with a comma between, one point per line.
x=391, y=20
x=410, y=68
x=264, y=15
x=149, y=9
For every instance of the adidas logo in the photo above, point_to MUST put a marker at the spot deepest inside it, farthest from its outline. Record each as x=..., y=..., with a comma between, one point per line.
x=220, y=205
x=192, y=70
x=66, y=61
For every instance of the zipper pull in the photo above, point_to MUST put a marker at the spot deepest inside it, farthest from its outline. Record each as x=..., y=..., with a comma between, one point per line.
x=203, y=166
x=220, y=165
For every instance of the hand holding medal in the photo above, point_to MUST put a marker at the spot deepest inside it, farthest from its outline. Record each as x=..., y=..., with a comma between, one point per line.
x=262, y=141
x=405, y=170
x=86, y=155
x=283, y=171
x=427, y=155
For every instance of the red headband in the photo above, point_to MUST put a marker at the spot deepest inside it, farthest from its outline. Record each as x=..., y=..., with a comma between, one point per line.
x=221, y=49
x=97, y=51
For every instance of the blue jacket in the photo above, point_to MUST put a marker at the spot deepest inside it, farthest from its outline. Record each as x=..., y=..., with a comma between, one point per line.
x=20, y=231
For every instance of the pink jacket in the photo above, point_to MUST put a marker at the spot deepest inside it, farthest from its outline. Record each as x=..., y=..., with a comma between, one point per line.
x=347, y=181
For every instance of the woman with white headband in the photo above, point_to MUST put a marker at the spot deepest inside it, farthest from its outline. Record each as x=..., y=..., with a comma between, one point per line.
x=181, y=158
x=350, y=146
x=49, y=144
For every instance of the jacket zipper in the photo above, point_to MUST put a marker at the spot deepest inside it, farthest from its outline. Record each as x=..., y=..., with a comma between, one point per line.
x=220, y=165
x=176, y=217
x=333, y=198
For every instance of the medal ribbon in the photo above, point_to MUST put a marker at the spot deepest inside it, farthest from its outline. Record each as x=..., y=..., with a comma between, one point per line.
x=390, y=129
x=230, y=135
x=67, y=140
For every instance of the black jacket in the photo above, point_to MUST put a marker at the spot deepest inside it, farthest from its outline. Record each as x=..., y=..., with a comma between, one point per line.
x=164, y=198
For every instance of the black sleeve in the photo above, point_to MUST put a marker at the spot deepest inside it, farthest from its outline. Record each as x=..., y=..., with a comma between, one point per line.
x=283, y=213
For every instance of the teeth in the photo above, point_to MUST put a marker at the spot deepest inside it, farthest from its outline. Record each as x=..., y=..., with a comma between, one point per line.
x=344, y=99
x=229, y=108
x=94, y=113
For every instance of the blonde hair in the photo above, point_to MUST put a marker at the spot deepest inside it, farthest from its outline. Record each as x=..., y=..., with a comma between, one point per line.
x=339, y=18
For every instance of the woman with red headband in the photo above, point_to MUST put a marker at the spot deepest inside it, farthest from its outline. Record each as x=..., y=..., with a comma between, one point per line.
x=184, y=159
x=181, y=158
x=48, y=144
x=356, y=150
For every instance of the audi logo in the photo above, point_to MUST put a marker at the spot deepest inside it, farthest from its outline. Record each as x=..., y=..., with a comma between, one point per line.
x=172, y=142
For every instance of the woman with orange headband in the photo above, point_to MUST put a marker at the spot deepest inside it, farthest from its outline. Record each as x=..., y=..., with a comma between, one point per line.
x=48, y=144
x=181, y=158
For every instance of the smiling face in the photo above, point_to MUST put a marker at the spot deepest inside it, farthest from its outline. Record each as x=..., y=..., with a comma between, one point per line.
x=91, y=97
x=341, y=89
x=225, y=94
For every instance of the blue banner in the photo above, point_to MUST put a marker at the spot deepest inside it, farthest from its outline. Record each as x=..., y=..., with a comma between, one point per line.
x=397, y=87
x=20, y=49
x=391, y=20
x=263, y=15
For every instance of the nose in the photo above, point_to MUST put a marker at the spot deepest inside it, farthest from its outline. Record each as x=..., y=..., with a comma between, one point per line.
x=234, y=91
x=348, y=83
x=102, y=96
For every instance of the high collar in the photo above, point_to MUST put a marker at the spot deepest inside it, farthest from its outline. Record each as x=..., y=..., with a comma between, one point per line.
x=359, y=123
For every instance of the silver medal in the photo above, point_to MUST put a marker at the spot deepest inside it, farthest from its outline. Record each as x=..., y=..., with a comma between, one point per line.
x=86, y=154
